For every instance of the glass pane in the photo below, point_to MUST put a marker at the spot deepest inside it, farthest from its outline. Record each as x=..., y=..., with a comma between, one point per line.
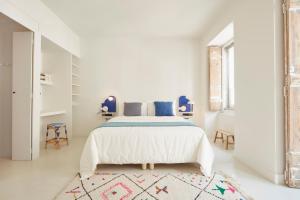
x=225, y=90
x=231, y=76
x=294, y=4
x=295, y=176
x=294, y=42
x=294, y=69
x=294, y=140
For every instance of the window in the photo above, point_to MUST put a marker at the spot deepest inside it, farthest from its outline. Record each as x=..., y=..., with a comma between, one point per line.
x=228, y=76
x=221, y=77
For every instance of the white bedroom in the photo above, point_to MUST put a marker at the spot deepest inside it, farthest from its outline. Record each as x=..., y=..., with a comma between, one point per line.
x=144, y=99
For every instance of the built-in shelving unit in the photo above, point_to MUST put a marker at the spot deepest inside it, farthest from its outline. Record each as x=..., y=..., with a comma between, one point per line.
x=76, y=86
x=75, y=65
x=75, y=75
x=48, y=114
x=60, y=86
x=46, y=83
x=56, y=86
x=75, y=80
x=75, y=104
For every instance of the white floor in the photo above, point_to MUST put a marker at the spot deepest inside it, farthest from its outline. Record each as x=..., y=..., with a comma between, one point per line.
x=44, y=178
x=252, y=183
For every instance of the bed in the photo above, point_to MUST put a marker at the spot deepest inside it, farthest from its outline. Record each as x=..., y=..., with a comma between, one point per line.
x=146, y=139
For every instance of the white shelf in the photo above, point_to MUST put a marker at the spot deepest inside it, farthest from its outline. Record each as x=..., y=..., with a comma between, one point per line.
x=46, y=83
x=75, y=94
x=75, y=75
x=75, y=65
x=48, y=114
x=75, y=104
x=76, y=85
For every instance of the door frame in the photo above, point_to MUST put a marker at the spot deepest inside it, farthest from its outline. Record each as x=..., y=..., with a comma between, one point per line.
x=287, y=96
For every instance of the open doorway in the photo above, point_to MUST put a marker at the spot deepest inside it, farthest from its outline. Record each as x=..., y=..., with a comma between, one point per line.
x=222, y=89
x=16, y=55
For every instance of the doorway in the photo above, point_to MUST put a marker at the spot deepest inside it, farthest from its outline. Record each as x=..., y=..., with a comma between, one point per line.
x=16, y=46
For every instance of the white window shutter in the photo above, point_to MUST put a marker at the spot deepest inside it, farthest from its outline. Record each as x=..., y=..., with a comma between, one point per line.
x=215, y=78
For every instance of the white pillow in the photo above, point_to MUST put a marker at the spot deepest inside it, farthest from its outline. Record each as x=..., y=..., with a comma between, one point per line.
x=151, y=107
x=144, y=109
x=121, y=109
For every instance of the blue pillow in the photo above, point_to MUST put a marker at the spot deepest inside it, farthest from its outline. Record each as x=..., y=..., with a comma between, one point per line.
x=163, y=108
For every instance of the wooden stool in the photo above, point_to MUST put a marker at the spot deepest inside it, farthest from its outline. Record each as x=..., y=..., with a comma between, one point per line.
x=225, y=134
x=219, y=137
x=56, y=128
x=228, y=135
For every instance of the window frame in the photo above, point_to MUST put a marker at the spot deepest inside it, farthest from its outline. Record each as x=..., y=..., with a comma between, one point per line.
x=225, y=57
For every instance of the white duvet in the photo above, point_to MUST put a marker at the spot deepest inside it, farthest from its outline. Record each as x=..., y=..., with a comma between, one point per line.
x=136, y=145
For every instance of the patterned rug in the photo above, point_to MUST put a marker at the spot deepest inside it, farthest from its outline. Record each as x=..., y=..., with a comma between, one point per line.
x=145, y=185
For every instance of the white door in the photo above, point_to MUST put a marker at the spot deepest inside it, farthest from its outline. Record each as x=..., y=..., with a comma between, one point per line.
x=22, y=95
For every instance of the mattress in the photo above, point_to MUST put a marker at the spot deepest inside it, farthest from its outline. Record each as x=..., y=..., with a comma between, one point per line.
x=146, y=139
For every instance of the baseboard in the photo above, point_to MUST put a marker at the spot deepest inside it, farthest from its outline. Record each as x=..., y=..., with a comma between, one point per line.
x=274, y=178
x=279, y=179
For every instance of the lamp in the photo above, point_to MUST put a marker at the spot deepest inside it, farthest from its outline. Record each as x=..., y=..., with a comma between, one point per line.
x=182, y=108
x=185, y=105
x=191, y=103
x=109, y=105
x=104, y=109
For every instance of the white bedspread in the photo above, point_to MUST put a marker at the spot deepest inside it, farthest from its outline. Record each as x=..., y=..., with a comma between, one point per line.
x=136, y=145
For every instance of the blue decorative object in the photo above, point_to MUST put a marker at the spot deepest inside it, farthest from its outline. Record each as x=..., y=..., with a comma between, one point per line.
x=163, y=108
x=185, y=105
x=109, y=105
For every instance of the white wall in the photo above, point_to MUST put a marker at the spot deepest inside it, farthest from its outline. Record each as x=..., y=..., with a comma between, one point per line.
x=7, y=27
x=226, y=121
x=36, y=16
x=258, y=72
x=136, y=69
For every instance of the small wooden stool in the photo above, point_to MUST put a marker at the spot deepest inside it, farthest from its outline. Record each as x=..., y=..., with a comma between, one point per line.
x=228, y=135
x=56, y=128
x=225, y=134
x=219, y=137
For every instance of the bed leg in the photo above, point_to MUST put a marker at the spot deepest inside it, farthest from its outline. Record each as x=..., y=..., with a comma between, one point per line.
x=151, y=166
x=144, y=166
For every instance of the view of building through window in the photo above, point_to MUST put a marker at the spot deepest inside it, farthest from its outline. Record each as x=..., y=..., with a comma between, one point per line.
x=228, y=77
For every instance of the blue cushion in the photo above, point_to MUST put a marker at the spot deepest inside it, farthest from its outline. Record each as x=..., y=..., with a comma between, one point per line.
x=163, y=108
x=56, y=125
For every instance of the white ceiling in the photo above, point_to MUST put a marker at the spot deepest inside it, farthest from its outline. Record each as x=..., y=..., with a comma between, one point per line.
x=186, y=18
